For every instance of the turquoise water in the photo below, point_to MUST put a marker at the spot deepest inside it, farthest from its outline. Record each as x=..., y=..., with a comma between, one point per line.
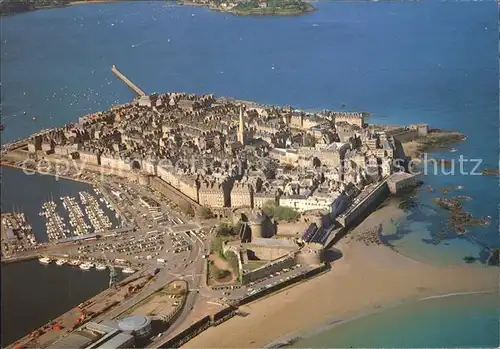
x=405, y=62
x=465, y=321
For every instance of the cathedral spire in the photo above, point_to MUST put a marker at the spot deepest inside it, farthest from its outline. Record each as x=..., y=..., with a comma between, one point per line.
x=241, y=128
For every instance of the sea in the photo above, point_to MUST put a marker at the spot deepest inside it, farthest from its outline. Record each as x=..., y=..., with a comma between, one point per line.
x=404, y=62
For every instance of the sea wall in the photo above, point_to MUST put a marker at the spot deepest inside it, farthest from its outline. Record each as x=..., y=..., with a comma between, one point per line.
x=272, y=267
x=360, y=210
x=284, y=284
x=406, y=136
x=189, y=333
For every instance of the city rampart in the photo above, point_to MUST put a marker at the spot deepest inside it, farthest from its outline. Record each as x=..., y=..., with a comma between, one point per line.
x=406, y=136
x=184, y=202
x=269, y=253
x=401, y=181
x=223, y=315
x=360, y=209
x=272, y=267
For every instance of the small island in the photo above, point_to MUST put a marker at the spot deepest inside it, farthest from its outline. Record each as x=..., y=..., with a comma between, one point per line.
x=254, y=7
x=238, y=7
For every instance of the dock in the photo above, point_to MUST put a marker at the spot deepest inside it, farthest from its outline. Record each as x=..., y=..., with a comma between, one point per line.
x=127, y=81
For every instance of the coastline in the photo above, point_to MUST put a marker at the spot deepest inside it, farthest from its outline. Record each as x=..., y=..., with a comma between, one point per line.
x=282, y=315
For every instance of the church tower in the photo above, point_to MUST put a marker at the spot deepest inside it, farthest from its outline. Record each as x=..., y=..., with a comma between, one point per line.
x=242, y=137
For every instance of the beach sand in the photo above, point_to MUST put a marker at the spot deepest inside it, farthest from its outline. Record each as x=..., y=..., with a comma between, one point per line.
x=365, y=279
x=83, y=2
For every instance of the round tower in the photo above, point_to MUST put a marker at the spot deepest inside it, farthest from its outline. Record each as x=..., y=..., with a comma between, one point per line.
x=256, y=223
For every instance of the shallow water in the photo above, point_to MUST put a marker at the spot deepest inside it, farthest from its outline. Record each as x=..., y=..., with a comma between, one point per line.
x=465, y=321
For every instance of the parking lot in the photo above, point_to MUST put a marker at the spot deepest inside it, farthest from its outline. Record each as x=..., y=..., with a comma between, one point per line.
x=234, y=292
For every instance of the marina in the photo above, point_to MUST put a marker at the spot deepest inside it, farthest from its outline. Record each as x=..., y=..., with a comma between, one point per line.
x=54, y=223
x=80, y=223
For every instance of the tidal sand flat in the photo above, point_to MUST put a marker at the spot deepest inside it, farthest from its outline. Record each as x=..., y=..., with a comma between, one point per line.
x=365, y=279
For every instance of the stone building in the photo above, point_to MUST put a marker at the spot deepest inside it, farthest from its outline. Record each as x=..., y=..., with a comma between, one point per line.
x=352, y=118
x=242, y=195
x=213, y=194
x=35, y=143
x=422, y=129
x=113, y=160
x=260, y=198
x=189, y=187
x=90, y=156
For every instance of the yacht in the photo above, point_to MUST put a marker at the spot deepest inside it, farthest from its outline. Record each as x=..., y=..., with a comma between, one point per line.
x=128, y=271
x=86, y=266
x=45, y=260
x=60, y=262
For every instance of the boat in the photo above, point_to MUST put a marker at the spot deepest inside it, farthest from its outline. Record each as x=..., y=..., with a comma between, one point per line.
x=74, y=262
x=100, y=267
x=61, y=262
x=86, y=266
x=45, y=260
x=128, y=271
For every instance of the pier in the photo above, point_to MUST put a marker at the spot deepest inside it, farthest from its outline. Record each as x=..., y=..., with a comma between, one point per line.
x=127, y=81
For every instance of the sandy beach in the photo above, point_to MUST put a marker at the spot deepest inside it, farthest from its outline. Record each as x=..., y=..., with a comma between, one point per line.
x=365, y=279
x=83, y=2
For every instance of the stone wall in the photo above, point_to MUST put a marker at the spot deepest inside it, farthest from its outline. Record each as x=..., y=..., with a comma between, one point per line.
x=355, y=213
x=184, y=202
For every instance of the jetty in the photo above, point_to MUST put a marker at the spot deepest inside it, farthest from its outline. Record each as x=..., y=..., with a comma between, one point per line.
x=127, y=81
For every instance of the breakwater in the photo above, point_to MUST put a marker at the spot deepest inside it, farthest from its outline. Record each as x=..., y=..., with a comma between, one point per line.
x=127, y=81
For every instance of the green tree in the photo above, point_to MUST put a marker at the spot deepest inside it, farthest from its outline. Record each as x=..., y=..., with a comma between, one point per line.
x=269, y=207
x=285, y=213
x=224, y=229
x=204, y=212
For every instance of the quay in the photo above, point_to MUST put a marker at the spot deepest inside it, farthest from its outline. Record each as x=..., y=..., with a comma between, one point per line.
x=127, y=81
